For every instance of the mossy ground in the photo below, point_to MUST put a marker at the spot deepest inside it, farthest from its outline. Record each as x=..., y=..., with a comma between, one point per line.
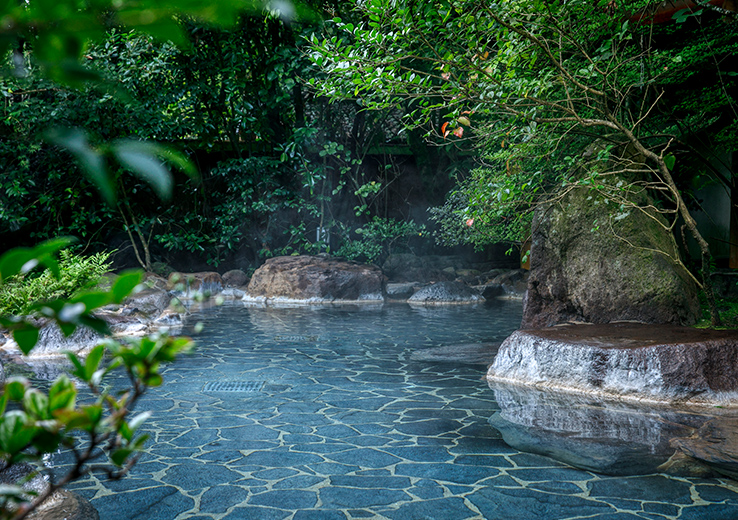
x=728, y=309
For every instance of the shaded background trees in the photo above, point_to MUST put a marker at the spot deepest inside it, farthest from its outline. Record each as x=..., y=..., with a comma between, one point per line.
x=555, y=95
x=282, y=170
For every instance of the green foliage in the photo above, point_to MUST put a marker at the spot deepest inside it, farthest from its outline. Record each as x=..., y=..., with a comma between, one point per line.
x=728, y=308
x=378, y=239
x=76, y=273
x=40, y=422
x=535, y=85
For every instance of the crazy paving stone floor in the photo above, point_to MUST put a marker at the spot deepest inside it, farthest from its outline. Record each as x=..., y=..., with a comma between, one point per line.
x=335, y=421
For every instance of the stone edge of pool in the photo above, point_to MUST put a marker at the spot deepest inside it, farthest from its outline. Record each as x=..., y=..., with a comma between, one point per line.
x=627, y=361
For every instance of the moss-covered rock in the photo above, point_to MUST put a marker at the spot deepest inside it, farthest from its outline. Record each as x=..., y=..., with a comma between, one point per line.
x=596, y=261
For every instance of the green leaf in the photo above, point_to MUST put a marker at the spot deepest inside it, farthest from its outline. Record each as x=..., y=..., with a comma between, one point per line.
x=141, y=158
x=62, y=394
x=15, y=261
x=67, y=328
x=16, y=431
x=125, y=284
x=36, y=403
x=94, y=413
x=119, y=456
x=74, y=419
x=70, y=72
x=177, y=159
x=93, y=361
x=153, y=380
x=26, y=337
x=15, y=388
x=92, y=162
x=97, y=324
x=138, y=420
x=79, y=369
x=92, y=300
x=670, y=161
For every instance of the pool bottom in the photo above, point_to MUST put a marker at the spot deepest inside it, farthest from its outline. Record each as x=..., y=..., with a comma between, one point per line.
x=346, y=425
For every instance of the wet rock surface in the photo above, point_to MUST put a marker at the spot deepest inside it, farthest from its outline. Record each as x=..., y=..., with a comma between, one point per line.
x=315, y=279
x=444, y=293
x=235, y=278
x=593, y=262
x=52, y=341
x=715, y=444
x=628, y=360
x=190, y=283
x=403, y=290
x=65, y=505
x=59, y=505
x=149, y=301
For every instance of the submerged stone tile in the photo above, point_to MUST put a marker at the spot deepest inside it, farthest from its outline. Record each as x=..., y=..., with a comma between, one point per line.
x=446, y=472
x=299, y=482
x=219, y=499
x=200, y=476
x=145, y=504
x=286, y=499
x=370, y=482
x=256, y=512
x=715, y=493
x=364, y=457
x=275, y=458
x=356, y=498
x=421, y=453
x=452, y=508
x=644, y=488
x=315, y=432
x=319, y=514
x=527, y=503
x=668, y=510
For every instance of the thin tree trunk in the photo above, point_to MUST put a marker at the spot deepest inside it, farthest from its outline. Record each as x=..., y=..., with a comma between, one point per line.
x=689, y=222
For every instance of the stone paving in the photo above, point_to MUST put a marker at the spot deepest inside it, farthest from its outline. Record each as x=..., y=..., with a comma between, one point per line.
x=336, y=421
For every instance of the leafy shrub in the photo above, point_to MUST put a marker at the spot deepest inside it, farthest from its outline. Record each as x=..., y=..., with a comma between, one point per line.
x=77, y=273
x=378, y=239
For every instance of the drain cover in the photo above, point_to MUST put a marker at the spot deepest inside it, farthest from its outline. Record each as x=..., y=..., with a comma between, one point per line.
x=293, y=339
x=233, y=386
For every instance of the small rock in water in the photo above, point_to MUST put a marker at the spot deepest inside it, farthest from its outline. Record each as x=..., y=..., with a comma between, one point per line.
x=446, y=293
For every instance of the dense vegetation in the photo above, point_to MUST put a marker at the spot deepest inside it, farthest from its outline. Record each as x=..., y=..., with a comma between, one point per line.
x=276, y=163
x=77, y=273
x=555, y=95
x=267, y=131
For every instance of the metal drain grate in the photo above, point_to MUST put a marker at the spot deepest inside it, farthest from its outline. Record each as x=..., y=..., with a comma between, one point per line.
x=294, y=339
x=233, y=386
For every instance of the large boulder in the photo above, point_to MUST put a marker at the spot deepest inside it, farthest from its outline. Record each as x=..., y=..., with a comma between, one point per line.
x=315, y=279
x=633, y=361
x=53, y=342
x=594, y=262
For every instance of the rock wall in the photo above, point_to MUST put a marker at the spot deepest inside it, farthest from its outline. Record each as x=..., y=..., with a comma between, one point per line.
x=656, y=363
x=594, y=262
